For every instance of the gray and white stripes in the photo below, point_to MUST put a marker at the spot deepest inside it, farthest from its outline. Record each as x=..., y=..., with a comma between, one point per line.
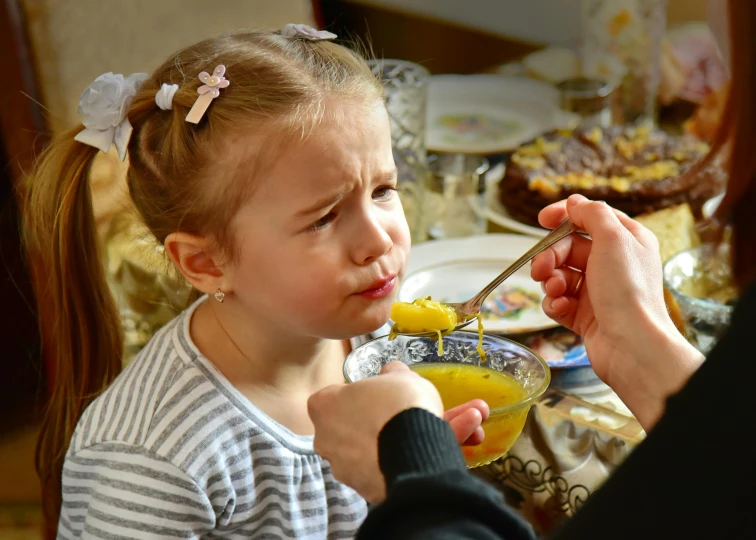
x=172, y=450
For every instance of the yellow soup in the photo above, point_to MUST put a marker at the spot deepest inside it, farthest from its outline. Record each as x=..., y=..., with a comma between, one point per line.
x=460, y=383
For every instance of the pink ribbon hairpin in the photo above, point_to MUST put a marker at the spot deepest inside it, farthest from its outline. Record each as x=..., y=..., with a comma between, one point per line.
x=207, y=92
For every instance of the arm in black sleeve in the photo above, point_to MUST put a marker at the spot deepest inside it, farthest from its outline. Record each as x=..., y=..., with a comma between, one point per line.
x=693, y=476
x=430, y=494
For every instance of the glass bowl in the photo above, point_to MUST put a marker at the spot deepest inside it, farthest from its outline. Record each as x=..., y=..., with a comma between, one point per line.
x=700, y=282
x=505, y=423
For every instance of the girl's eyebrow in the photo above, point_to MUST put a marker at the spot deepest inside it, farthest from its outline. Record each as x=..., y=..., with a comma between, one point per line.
x=387, y=176
x=331, y=200
x=321, y=204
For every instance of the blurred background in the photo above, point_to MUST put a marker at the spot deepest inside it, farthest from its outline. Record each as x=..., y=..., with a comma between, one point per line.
x=52, y=49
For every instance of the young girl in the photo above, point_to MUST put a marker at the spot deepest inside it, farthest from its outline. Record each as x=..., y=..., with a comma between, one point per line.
x=263, y=163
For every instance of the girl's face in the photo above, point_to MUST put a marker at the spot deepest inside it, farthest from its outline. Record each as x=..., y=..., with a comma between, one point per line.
x=323, y=242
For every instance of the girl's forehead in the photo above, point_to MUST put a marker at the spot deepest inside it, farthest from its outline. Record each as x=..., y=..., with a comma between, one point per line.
x=338, y=147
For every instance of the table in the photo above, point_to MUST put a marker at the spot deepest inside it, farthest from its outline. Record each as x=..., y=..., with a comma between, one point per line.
x=572, y=441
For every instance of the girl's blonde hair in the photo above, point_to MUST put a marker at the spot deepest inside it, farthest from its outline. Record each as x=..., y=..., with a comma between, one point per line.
x=279, y=89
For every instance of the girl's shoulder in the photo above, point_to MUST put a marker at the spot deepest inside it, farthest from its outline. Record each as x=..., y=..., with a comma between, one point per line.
x=171, y=397
x=160, y=378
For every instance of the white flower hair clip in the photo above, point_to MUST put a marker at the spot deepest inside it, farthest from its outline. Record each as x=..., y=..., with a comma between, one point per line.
x=207, y=92
x=306, y=32
x=104, y=105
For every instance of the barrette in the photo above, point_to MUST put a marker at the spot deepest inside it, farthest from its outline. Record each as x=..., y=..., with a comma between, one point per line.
x=207, y=92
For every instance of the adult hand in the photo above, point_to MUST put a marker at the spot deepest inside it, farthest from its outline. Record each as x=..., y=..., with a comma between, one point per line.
x=348, y=419
x=609, y=290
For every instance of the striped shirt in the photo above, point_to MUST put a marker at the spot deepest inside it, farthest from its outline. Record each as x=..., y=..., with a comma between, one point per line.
x=172, y=450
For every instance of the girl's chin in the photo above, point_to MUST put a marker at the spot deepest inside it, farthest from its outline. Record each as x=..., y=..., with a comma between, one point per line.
x=363, y=326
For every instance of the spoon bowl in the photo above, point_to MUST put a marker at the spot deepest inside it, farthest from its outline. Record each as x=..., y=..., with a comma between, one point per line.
x=469, y=311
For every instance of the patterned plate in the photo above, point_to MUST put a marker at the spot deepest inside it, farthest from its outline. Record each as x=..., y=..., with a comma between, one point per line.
x=489, y=114
x=559, y=347
x=456, y=269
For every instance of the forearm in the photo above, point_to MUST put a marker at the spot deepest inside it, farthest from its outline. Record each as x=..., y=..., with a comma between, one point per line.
x=699, y=448
x=668, y=361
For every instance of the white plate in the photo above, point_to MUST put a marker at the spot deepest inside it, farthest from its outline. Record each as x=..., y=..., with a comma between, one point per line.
x=499, y=215
x=455, y=270
x=489, y=114
x=496, y=212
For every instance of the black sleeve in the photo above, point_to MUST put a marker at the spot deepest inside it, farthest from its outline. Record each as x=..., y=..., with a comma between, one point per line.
x=693, y=476
x=430, y=495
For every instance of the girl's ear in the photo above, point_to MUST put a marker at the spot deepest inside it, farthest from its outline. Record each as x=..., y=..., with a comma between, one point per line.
x=199, y=260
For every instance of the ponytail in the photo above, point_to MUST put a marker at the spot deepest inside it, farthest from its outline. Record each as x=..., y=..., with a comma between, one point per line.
x=80, y=324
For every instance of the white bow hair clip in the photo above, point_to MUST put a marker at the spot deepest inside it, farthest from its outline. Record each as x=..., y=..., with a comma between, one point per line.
x=306, y=32
x=104, y=105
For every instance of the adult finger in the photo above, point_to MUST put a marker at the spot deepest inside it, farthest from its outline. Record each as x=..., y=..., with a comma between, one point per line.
x=319, y=399
x=395, y=367
x=553, y=214
x=598, y=219
x=562, y=310
x=564, y=282
x=571, y=251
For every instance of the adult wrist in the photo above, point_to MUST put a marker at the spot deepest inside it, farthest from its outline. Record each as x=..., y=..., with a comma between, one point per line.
x=661, y=368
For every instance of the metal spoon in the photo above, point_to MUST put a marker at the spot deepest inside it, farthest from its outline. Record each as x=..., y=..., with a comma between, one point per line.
x=468, y=311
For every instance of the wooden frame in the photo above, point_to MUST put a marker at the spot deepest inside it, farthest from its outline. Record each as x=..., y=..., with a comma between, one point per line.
x=23, y=133
x=23, y=128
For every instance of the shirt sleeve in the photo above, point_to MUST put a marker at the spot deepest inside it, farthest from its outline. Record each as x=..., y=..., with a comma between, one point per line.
x=691, y=478
x=430, y=495
x=115, y=490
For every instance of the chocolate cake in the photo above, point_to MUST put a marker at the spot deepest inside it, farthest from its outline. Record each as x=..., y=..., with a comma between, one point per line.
x=635, y=170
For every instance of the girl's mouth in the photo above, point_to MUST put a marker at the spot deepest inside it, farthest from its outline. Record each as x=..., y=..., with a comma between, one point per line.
x=379, y=289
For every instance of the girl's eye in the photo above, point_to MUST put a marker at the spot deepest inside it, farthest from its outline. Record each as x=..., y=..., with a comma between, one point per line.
x=383, y=193
x=322, y=222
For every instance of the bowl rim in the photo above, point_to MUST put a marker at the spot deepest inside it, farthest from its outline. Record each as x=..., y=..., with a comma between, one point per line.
x=701, y=303
x=527, y=402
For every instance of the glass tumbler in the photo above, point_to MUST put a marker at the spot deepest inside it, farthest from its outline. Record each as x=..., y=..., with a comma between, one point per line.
x=455, y=196
x=406, y=87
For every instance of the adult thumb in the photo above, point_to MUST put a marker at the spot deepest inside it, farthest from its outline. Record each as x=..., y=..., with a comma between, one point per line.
x=394, y=367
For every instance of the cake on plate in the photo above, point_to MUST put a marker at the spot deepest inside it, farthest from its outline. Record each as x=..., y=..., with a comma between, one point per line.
x=636, y=170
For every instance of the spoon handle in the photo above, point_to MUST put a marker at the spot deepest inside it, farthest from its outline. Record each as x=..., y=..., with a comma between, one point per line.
x=564, y=229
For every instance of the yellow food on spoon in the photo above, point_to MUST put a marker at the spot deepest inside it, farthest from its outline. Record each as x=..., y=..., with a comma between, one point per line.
x=481, y=352
x=423, y=315
x=426, y=315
